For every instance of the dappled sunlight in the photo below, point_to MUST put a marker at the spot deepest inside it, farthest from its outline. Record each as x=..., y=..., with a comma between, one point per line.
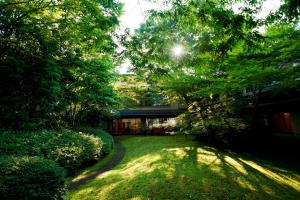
x=268, y=189
x=216, y=164
x=96, y=192
x=236, y=165
x=207, y=157
x=177, y=168
x=137, y=198
x=105, y=191
x=280, y=178
x=245, y=184
x=144, y=164
x=180, y=153
x=242, y=177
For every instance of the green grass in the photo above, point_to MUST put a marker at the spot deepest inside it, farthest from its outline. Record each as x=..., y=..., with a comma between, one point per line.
x=86, y=171
x=175, y=167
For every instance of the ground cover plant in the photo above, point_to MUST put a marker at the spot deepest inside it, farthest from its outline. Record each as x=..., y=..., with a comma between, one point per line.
x=175, y=167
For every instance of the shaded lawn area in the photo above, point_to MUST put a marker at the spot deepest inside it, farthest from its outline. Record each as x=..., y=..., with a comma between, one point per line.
x=175, y=167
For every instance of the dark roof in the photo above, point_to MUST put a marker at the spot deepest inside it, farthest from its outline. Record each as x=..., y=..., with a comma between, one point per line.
x=151, y=113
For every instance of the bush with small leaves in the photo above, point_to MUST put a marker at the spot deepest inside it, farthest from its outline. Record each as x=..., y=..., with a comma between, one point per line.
x=70, y=149
x=31, y=178
x=107, y=139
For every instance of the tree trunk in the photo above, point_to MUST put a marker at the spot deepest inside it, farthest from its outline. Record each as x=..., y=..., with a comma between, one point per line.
x=254, y=114
x=74, y=114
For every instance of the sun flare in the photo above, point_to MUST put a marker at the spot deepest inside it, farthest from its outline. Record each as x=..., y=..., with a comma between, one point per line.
x=177, y=50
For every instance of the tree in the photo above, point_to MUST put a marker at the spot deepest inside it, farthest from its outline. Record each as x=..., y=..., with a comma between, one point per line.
x=134, y=91
x=225, y=54
x=52, y=55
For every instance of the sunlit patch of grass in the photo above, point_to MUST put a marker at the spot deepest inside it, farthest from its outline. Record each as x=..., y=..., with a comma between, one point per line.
x=180, y=168
x=92, y=168
x=207, y=157
x=292, y=181
x=235, y=164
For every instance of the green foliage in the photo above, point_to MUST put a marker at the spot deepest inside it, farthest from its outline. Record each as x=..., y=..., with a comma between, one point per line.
x=55, y=61
x=289, y=10
x=225, y=56
x=106, y=138
x=69, y=149
x=135, y=91
x=31, y=178
x=214, y=122
x=91, y=96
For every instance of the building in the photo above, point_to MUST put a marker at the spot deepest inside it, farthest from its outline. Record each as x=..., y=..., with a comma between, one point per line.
x=278, y=113
x=147, y=120
x=281, y=115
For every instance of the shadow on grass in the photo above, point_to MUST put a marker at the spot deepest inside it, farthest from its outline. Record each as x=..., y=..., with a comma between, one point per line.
x=178, y=168
x=281, y=151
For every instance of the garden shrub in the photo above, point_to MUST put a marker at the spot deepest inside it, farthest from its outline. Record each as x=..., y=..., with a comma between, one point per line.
x=31, y=178
x=107, y=139
x=216, y=126
x=69, y=149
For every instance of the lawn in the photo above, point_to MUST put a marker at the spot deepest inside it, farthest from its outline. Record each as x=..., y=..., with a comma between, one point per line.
x=175, y=167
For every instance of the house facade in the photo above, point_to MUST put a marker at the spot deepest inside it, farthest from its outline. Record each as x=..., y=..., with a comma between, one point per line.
x=146, y=120
x=279, y=113
x=282, y=117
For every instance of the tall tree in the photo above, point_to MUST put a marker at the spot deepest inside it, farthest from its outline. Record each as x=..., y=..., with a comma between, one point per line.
x=224, y=54
x=51, y=53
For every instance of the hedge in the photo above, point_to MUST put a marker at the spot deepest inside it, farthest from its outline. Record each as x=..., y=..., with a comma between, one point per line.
x=69, y=149
x=107, y=139
x=31, y=178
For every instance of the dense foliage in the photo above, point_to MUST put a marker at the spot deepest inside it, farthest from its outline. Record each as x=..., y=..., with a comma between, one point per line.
x=56, y=61
x=69, y=149
x=56, y=68
x=106, y=138
x=134, y=91
x=33, y=164
x=226, y=65
x=31, y=178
